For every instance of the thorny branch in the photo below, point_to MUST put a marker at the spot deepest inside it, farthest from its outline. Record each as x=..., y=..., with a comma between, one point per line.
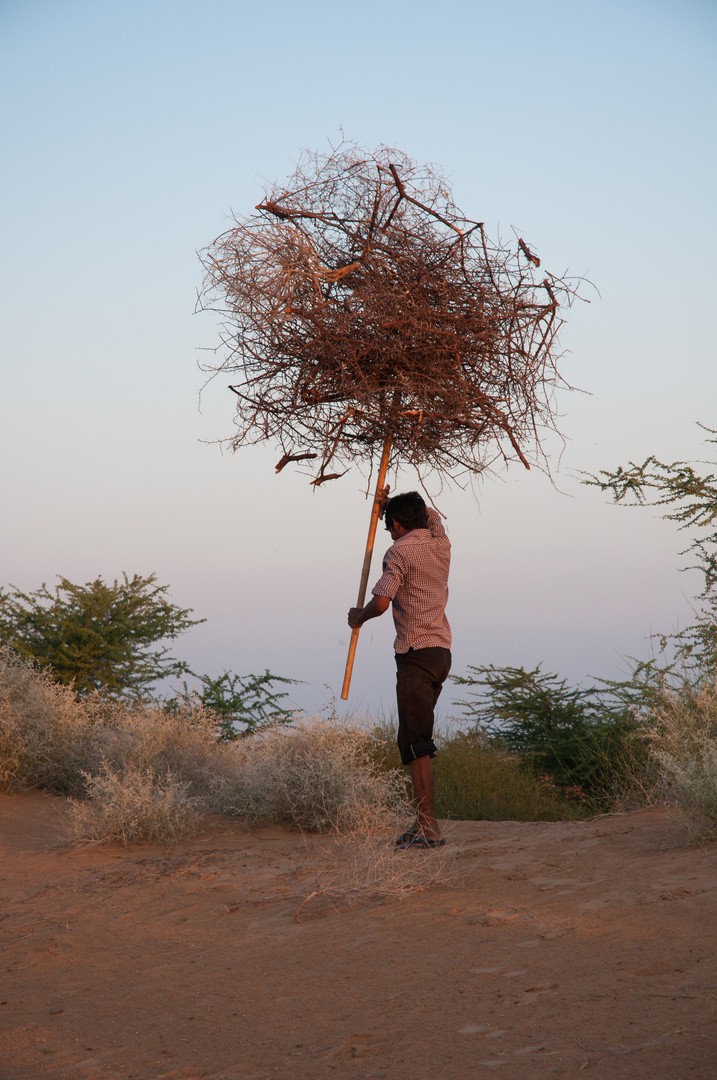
x=359, y=302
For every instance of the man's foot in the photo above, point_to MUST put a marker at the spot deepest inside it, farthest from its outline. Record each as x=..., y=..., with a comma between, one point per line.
x=417, y=840
x=403, y=839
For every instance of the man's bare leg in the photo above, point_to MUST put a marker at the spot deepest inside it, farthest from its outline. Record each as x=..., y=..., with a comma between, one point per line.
x=422, y=779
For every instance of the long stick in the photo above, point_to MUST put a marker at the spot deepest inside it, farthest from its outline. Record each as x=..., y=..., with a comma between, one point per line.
x=375, y=511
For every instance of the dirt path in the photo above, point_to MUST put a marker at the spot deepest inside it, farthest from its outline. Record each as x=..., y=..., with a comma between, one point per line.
x=568, y=948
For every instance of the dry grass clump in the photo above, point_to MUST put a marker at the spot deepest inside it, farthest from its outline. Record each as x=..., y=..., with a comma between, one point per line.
x=45, y=732
x=479, y=782
x=682, y=735
x=181, y=743
x=141, y=771
x=319, y=774
x=135, y=804
x=365, y=866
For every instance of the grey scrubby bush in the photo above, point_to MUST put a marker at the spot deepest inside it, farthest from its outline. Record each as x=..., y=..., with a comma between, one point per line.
x=682, y=737
x=182, y=743
x=46, y=734
x=135, y=804
x=319, y=774
x=51, y=739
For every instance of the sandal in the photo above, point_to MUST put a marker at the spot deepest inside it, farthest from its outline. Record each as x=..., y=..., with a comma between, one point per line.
x=417, y=840
x=406, y=837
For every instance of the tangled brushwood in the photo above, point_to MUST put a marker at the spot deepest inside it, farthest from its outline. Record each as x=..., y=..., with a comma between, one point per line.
x=360, y=304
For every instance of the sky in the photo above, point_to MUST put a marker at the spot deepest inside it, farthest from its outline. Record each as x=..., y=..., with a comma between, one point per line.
x=131, y=132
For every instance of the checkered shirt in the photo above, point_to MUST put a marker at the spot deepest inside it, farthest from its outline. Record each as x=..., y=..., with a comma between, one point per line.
x=415, y=579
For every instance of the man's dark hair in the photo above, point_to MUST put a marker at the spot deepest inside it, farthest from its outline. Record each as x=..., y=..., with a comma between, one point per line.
x=408, y=510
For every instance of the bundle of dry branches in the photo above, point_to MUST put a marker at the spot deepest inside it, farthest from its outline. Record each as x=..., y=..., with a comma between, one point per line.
x=359, y=304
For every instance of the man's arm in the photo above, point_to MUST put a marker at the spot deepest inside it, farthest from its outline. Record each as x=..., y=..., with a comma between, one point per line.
x=435, y=523
x=379, y=604
x=375, y=607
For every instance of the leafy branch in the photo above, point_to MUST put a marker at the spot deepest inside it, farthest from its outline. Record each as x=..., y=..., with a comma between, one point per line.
x=244, y=703
x=691, y=499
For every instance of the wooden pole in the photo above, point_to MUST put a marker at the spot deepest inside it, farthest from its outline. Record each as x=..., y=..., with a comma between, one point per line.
x=366, y=569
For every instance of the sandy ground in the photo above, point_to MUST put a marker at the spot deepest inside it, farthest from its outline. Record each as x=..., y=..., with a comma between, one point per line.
x=561, y=949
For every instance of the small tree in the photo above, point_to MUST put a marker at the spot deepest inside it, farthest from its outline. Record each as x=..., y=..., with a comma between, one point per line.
x=98, y=636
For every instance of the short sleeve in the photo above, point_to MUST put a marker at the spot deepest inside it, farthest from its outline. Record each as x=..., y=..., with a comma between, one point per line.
x=392, y=578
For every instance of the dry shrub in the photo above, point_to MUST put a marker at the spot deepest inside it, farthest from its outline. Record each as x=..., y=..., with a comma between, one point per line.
x=682, y=735
x=181, y=743
x=153, y=774
x=146, y=772
x=134, y=804
x=51, y=739
x=477, y=781
x=319, y=774
x=364, y=865
x=45, y=732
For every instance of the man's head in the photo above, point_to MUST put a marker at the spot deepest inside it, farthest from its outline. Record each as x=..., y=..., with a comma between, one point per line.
x=407, y=510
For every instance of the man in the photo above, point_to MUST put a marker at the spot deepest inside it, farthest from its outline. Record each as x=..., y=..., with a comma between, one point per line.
x=415, y=583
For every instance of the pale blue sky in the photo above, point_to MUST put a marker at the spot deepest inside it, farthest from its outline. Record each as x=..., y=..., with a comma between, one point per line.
x=131, y=130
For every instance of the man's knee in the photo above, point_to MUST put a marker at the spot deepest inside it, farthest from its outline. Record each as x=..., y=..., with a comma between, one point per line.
x=412, y=751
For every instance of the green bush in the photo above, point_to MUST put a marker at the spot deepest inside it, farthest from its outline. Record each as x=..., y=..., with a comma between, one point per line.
x=585, y=741
x=244, y=704
x=477, y=781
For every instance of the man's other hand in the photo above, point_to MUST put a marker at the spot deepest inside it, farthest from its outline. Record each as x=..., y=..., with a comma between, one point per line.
x=375, y=607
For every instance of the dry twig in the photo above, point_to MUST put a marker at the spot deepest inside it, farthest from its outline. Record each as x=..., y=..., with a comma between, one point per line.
x=360, y=303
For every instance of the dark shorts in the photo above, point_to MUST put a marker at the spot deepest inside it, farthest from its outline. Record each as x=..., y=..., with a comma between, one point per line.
x=420, y=675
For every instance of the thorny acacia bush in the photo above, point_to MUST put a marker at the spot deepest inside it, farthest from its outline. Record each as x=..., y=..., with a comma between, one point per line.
x=673, y=693
x=146, y=772
x=97, y=636
x=587, y=741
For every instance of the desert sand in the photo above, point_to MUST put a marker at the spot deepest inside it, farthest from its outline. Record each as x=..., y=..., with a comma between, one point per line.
x=557, y=949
